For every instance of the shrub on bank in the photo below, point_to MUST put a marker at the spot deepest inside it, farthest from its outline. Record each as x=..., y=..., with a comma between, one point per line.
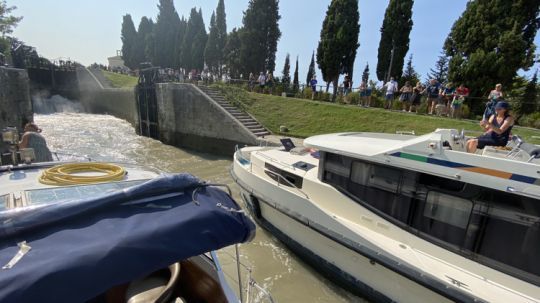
x=530, y=120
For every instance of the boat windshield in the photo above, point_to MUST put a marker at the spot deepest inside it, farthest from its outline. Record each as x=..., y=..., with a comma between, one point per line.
x=70, y=193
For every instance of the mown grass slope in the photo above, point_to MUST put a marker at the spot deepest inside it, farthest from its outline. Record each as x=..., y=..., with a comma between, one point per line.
x=120, y=80
x=305, y=118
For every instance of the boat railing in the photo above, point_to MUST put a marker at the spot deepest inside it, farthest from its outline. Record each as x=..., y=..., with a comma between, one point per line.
x=251, y=292
x=280, y=177
x=406, y=132
x=240, y=156
x=69, y=156
x=287, y=165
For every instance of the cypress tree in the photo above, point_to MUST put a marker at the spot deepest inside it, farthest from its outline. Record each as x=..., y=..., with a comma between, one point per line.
x=192, y=56
x=165, y=34
x=211, y=52
x=339, y=41
x=311, y=69
x=260, y=36
x=296, y=83
x=232, y=54
x=143, y=33
x=395, y=30
x=440, y=72
x=221, y=36
x=491, y=41
x=409, y=74
x=179, y=41
x=129, y=42
x=286, y=74
x=365, y=74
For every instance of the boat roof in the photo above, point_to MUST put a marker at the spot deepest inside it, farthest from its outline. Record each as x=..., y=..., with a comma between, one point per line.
x=362, y=144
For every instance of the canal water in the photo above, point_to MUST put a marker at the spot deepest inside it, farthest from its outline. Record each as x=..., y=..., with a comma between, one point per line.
x=106, y=138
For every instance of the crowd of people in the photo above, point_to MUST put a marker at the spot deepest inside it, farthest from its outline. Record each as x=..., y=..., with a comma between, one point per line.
x=442, y=99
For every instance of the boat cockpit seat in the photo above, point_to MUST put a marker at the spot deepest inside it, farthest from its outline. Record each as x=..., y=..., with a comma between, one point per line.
x=155, y=288
x=531, y=149
x=518, y=145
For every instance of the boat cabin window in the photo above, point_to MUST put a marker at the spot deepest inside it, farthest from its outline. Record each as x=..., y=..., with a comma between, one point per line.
x=4, y=202
x=283, y=177
x=60, y=194
x=496, y=228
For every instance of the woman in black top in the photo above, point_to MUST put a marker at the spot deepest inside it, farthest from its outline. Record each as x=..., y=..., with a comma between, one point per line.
x=498, y=129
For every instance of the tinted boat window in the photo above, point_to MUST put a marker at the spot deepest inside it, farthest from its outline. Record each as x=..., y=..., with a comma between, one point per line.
x=385, y=178
x=511, y=231
x=498, y=229
x=444, y=217
x=440, y=183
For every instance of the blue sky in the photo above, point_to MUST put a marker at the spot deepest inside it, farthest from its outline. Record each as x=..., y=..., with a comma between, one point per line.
x=89, y=31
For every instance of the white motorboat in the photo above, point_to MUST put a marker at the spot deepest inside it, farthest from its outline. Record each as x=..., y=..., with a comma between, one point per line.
x=404, y=218
x=107, y=233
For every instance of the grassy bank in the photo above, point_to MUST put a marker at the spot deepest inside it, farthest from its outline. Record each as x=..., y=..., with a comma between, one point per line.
x=305, y=118
x=120, y=80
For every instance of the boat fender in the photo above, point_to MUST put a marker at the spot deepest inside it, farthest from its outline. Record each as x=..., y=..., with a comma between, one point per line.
x=256, y=207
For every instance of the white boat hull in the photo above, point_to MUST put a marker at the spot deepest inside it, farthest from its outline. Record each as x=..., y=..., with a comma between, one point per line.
x=348, y=268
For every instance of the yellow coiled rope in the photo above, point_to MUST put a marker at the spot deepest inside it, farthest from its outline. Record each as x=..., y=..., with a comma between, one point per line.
x=66, y=174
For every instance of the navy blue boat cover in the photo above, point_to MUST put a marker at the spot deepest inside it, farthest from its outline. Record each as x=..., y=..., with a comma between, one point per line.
x=79, y=249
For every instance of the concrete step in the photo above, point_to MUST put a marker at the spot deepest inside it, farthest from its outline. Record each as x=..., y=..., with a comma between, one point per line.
x=260, y=134
x=248, y=119
x=257, y=130
x=250, y=123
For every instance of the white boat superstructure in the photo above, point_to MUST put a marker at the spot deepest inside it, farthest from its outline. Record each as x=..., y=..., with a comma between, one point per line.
x=404, y=218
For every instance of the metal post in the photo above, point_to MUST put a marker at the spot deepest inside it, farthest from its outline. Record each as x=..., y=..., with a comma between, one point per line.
x=391, y=62
x=239, y=273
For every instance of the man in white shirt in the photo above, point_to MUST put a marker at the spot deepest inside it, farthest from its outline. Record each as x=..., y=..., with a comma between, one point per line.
x=391, y=87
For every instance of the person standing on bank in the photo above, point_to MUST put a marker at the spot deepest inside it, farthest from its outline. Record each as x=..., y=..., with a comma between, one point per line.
x=405, y=97
x=313, y=84
x=391, y=88
x=416, y=97
x=32, y=138
x=494, y=96
x=497, y=127
x=270, y=82
x=432, y=91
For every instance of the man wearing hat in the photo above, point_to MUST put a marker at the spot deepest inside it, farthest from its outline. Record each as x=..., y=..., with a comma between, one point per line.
x=498, y=128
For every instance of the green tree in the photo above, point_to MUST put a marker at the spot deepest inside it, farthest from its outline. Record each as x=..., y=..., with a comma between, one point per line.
x=232, y=54
x=311, y=69
x=212, y=52
x=286, y=74
x=409, y=74
x=339, y=41
x=296, y=83
x=129, y=42
x=179, y=42
x=394, y=44
x=143, y=38
x=7, y=23
x=165, y=34
x=440, y=72
x=528, y=102
x=221, y=37
x=192, y=56
x=491, y=41
x=365, y=74
x=260, y=36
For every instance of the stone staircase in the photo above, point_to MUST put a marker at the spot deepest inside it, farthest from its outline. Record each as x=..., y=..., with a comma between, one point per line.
x=247, y=120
